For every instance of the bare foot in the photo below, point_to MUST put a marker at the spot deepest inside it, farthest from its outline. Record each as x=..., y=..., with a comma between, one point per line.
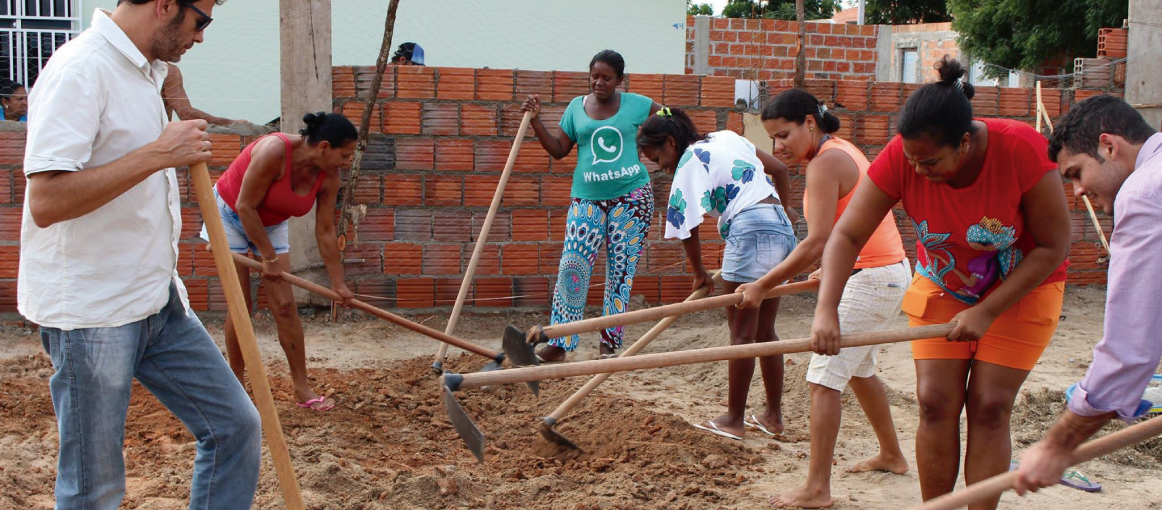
x=772, y=423
x=801, y=497
x=551, y=354
x=894, y=464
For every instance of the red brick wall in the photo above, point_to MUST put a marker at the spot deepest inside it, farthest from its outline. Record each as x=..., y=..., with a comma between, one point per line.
x=766, y=49
x=440, y=139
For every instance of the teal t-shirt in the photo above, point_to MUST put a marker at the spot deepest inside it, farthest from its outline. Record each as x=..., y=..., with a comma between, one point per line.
x=607, y=160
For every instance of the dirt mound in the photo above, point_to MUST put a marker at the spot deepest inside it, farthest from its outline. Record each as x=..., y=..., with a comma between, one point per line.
x=388, y=444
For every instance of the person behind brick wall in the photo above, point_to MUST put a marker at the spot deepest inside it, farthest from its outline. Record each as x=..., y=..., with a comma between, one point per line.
x=98, y=259
x=992, y=229
x=718, y=175
x=612, y=201
x=277, y=177
x=13, y=101
x=408, y=54
x=1113, y=156
x=802, y=129
x=173, y=92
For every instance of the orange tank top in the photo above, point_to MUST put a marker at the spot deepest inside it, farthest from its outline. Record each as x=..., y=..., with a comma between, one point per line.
x=885, y=247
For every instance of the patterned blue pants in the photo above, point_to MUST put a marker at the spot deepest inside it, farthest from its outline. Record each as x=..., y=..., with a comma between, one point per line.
x=621, y=224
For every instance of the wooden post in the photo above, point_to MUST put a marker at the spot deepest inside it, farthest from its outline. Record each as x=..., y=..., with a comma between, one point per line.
x=305, y=56
x=236, y=304
x=801, y=58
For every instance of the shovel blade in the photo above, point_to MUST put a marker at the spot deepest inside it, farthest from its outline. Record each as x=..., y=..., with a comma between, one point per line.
x=518, y=351
x=471, y=435
x=553, y=436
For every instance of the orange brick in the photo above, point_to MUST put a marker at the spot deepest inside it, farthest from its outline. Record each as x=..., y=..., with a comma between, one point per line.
x=9, y=261
x=556, y=190
x=12, y=147
x=873, y=130
x=478, y=190
x=500, y=231
x=851, y=94
x=343, y=82
x=1014, y=102
x=368, y=188
x=718, y=91
x=403, y=117
x=403, y=189
x=532, y=158
x=353, y=110
x=885, y=97
x=649, y=85
x=378, y=225
x=491, y=155
x=519, y=259
x=414, y=153
x=442, y=259
x=402, y=258
x=415, y=82
x=494, y=84
x=441, y=119
x=493, y=292
x=364, y=75
x=415, y=292
x=705, y=120
x=681, y=90
x=454, y=154
x=455, y=83
x=443, y=190
x=534, y=82
x=530, y=225
x=531, y=292
x=522, y=191
x=478, y=120
x=985, y=101
x=568, y=85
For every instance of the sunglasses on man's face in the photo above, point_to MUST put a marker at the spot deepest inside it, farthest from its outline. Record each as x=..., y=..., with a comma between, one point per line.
x=204, y=21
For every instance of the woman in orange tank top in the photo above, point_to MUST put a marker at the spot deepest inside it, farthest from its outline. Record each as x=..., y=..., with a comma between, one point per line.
x=275, y=178
x=802, y=130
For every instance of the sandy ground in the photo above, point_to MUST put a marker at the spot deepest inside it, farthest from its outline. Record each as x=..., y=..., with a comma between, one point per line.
x=388, y=443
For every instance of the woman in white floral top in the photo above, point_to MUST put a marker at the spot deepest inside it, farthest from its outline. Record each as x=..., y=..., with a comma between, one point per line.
x=724, y=176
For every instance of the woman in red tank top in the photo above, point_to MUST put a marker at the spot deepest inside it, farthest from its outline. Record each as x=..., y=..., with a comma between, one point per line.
x=803, y=132
x=992, y=229
x=275, y=178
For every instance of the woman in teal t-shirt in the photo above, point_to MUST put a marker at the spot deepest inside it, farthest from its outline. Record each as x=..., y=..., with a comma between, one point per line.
x=612, y=202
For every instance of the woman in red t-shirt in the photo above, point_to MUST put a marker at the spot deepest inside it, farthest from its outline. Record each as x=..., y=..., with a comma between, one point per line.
x=275, y=178
x=993, y=231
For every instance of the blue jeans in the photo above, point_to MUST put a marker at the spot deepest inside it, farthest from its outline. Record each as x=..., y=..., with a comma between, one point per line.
x=760, y=237
x=174, y=358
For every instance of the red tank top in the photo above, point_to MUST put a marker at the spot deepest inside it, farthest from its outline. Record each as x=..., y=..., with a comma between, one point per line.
x=280, y=201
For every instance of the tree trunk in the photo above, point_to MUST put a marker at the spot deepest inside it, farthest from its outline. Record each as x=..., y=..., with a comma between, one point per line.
x=801, y=59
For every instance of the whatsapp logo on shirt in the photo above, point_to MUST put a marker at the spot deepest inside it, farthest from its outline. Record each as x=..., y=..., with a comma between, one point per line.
x=606, y=145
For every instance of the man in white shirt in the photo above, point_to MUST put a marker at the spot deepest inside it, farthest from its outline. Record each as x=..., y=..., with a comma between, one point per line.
x=98, y=261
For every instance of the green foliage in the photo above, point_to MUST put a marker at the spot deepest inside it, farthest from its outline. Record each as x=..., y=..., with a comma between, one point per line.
x=900, y=12
x=1022, y=34
x=699, y=9
x=780, y=9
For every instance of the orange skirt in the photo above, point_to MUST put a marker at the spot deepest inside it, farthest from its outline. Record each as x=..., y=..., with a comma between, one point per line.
x=1015, y=340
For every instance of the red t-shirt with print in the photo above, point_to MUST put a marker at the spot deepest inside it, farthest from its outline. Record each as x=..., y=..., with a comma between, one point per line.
x=970, y=238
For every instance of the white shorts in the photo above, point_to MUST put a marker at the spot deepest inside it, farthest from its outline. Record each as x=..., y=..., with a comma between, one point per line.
x=871, y=302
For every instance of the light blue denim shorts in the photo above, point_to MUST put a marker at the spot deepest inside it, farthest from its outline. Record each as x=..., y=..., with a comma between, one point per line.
x=759, y=238
x=279, y=235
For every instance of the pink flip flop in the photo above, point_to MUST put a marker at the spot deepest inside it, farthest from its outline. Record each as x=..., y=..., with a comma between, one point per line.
x=317, y=400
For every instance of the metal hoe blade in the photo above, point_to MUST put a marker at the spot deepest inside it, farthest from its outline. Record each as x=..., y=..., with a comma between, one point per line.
x=471, y=435
x=521, y=353
x=438, y=367
x=553, y=436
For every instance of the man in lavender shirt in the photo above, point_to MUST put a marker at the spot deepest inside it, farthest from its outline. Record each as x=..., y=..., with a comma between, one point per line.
x=1111, y=155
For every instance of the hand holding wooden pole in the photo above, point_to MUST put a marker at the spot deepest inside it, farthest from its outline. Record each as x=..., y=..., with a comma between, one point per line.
x=482, y=237
x=997, y=485
x=240, y=315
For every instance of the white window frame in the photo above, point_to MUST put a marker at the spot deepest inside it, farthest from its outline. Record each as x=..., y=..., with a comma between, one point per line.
x=23, y=36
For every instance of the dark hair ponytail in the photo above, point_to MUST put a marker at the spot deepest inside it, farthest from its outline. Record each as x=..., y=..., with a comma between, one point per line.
x=612, y=59
x=664, y=124
x=795, y=105
x=330, y=127
x=940, y=110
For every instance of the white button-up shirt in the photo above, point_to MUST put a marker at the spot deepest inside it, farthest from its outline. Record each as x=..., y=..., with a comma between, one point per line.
x=97, y=100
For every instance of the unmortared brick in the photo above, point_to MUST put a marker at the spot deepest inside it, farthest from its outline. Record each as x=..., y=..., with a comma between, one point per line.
x=415, y=82
x=454, y=154
x=494, y=84
x=478, y=119
x=455, y=84
x=400, y=258
x=403, y=117
x=403, y=189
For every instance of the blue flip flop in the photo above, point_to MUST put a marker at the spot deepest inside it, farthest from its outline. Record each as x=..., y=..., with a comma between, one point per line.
x=1072, y=478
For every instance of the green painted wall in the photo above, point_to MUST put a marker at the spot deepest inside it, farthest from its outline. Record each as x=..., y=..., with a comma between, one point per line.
x=235, y=73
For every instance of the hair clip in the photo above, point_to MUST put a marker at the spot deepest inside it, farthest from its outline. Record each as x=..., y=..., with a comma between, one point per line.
x=822, y=109
x=664, y=112
x=959, y=85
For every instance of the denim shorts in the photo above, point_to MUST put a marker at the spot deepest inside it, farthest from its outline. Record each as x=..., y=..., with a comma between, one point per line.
x=759, y=238
x=236, y=237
